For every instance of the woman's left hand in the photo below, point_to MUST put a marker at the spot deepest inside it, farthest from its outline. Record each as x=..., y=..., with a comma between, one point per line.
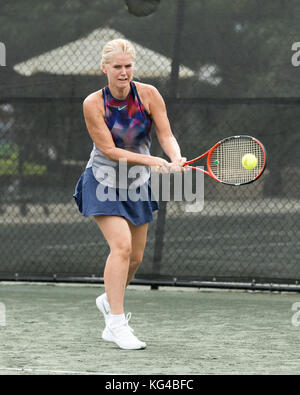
x=178, y=165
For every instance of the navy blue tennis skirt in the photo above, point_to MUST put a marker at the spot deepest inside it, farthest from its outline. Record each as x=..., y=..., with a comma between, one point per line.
x=90, y=202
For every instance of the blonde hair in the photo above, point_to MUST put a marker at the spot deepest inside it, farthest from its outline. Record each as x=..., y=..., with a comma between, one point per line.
x=118, y=45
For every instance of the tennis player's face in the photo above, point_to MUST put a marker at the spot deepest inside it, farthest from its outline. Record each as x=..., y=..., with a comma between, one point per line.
x=119, y=71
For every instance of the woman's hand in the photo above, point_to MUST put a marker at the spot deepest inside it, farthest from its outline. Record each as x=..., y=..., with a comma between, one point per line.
x=160, y=165
x=178, y=165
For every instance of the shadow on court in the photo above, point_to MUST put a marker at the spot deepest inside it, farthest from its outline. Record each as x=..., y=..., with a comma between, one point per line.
x=56, y=329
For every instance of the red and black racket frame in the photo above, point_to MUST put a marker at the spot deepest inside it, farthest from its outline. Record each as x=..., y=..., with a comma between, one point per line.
x=209, y=153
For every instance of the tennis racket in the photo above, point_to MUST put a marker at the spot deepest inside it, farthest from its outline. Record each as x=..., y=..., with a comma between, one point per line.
x=224, y=160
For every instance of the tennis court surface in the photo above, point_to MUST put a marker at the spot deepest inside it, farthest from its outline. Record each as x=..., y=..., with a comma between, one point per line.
x=56, y=329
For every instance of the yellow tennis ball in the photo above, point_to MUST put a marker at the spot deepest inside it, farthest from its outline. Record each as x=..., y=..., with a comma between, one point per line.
x=249, y=161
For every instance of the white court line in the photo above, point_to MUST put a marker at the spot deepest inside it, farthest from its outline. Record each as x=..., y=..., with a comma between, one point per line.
x=33, y=370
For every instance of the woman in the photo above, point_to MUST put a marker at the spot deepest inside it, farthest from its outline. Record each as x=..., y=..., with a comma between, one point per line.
x=119, y=119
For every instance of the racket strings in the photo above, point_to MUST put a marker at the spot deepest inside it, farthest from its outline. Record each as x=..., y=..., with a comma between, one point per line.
x=226, y=160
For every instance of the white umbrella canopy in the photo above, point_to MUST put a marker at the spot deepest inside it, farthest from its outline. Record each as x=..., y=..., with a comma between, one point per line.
x=82, y=57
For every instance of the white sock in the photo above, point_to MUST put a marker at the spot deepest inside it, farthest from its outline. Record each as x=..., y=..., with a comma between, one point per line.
x=116, y=319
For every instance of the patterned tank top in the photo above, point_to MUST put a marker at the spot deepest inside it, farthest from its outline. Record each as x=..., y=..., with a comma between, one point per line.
x=130, y=126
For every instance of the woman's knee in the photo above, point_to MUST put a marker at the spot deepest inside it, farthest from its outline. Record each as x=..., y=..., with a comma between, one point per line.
x=122, y=248
x=136, y=260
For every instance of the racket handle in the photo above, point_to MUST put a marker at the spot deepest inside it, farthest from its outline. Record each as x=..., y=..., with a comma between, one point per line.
x=196, y=168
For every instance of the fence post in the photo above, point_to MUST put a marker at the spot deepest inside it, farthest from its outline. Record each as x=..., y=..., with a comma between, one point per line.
x=161, y=218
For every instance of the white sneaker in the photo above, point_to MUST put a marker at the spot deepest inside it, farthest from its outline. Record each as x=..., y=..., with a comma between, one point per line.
x=122, y=335
x=103, y=306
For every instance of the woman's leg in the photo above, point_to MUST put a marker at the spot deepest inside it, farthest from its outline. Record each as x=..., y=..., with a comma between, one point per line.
x=119, y=238
x=139, y=238
x=117, y=232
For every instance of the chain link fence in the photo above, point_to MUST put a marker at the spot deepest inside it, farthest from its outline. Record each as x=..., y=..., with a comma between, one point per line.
x=212, y=90
x=241, y=234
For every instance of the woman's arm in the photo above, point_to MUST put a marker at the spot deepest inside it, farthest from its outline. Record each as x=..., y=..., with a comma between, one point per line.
x=165, y=136
x=100, y=134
